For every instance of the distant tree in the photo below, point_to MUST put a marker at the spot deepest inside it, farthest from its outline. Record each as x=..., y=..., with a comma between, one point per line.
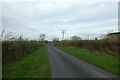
x=102, y=36
x=46, y=41
x=75, y=38
x=96, y=38
x=105, y=36
x=55, y=39
x=42, y=37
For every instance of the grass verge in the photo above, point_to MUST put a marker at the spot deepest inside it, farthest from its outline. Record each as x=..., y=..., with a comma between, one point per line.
x=105, y=62
x=35, y=65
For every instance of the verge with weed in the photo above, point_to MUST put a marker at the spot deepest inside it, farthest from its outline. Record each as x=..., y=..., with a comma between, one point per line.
x=35, y=65
x=108, y=63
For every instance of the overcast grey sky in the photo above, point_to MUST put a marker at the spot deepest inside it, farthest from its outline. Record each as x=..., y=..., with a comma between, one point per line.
x=77, y=18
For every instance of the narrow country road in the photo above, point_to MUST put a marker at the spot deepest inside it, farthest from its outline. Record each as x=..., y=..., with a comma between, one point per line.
x=64, y=65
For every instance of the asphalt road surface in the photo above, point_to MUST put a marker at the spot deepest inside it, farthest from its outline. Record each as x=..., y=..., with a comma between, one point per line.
x=64, y=65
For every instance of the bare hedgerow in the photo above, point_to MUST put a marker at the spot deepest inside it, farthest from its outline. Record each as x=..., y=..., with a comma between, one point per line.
x=14, y=47
x=102, y=46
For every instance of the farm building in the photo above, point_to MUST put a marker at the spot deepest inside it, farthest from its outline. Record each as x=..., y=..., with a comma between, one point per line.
x=114, y=37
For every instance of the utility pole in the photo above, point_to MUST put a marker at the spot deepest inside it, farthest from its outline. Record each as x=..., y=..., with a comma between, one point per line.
x=87, y=37
x=63, y=33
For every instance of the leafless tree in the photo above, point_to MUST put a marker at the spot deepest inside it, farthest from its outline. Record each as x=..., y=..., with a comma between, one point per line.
x=7, y=36
x=42, y=37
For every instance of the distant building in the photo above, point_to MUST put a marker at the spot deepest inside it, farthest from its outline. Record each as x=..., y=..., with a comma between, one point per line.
x=114, y=37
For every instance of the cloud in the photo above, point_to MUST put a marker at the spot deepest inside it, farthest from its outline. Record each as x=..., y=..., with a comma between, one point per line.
x=80, y=18
x=60, y=1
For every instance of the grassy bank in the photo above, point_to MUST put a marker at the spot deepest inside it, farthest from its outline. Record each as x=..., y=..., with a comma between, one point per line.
x=34, y=65
x=108, y=63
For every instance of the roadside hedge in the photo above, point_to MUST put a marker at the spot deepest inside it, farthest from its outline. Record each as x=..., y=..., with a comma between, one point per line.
x=13, y=51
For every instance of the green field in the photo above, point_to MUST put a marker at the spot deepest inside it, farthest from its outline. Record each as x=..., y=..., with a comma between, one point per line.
x=35, y=65
x=108, y=63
